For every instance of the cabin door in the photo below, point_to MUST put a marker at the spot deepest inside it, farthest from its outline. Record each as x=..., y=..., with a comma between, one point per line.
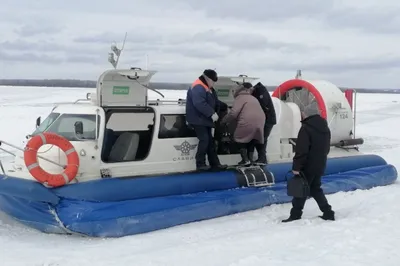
x=127, y=141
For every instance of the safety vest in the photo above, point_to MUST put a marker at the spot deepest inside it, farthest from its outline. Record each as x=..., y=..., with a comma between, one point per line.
x=199, y=82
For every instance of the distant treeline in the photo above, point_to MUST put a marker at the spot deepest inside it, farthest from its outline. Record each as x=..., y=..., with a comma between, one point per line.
x=74, y=83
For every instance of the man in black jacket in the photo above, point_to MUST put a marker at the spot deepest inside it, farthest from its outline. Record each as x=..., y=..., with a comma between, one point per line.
x=311, y=154
x=264, y=98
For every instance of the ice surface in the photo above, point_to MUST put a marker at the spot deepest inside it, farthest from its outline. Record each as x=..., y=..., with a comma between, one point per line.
x=367, y=230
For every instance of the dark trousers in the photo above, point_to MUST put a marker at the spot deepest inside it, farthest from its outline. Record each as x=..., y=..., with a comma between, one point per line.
x=249, y=146
x=316, y=192
x=267, y=132
x=206, y=146
x=262, y=149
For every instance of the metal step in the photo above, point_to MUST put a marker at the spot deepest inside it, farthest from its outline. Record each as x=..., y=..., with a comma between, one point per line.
x=256, y=176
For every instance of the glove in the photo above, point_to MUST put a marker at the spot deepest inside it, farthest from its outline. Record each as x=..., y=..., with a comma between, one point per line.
x=214, y=117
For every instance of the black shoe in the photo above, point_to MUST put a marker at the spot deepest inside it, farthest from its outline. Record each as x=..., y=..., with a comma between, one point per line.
x=219, y=166
x=290, y=219
x=242, y=162
x=261, y=161
x=245, y=160
x=202, y=168
x=328, y=216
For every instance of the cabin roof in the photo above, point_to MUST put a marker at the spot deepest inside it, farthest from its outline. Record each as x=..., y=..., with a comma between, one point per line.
x=90, y=108
x=77, y=108
x=169, y=109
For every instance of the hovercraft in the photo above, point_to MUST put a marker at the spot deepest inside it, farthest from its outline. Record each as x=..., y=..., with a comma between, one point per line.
x=117, y=163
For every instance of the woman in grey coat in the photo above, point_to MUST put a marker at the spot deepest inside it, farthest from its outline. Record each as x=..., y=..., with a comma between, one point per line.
x=249, y=118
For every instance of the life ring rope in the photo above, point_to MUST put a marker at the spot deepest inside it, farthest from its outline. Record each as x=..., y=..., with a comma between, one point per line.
x=32, y=164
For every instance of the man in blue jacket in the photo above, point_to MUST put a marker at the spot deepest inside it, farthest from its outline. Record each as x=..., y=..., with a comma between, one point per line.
x=201, y=114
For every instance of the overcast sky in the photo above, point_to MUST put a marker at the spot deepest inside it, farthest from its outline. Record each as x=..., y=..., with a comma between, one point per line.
x=349, y=42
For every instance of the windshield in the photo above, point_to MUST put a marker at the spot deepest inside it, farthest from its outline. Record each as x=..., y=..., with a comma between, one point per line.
x=46, y=123
x=64, y=125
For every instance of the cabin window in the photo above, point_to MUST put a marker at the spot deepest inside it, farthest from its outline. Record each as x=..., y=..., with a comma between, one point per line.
x=174, y=126
x=46, y=123
x=128, y=136
x=64, y=125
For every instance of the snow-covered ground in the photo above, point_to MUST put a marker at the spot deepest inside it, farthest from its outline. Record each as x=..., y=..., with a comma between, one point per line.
x=367, y=230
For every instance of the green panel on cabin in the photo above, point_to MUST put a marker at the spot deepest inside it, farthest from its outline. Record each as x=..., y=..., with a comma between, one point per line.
x=121, y=90
x=222, y=92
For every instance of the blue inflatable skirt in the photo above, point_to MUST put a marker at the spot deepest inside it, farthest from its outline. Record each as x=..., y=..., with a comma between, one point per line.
x=118, y=207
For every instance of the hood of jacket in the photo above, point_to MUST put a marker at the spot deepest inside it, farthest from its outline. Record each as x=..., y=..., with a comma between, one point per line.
x=241, y=90
x=317, y=123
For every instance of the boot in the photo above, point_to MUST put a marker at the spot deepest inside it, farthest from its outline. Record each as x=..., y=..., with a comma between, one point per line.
x=328, y=216
x=291, y=219
x=251, y=157
x=295, y=213
x=262, y=156
x=245, y=159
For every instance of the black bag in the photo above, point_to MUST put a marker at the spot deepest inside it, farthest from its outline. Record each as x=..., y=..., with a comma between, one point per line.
x=298, y=186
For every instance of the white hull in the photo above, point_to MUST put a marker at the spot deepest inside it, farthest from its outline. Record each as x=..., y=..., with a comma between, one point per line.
x=139, y=147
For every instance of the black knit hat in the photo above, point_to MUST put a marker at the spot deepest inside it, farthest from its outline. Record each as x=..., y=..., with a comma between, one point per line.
x=247, y=85
x=211, y=74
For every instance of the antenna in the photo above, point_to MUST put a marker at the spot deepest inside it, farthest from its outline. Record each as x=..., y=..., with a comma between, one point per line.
x=244, y=77
x=298, y=74
x=115, y=51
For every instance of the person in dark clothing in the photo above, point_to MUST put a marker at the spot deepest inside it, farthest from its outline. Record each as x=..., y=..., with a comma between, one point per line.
x=311, y=154
x=201, y=106
x=219, y=105
x=221, y=109
x=264, y=98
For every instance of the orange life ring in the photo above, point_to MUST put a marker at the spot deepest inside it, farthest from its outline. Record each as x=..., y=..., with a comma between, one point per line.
x=31, y=162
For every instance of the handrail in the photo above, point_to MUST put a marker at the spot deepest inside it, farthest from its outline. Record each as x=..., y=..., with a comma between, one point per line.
x=158, y=101
x=81, y=100
x=20, y=149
